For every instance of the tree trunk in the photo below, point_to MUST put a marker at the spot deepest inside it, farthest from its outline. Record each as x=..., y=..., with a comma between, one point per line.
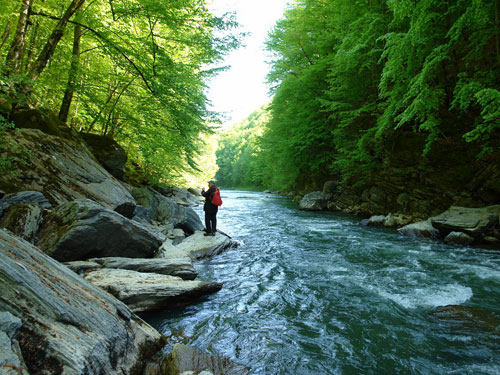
x=13, y=60
x=5, y=35
x=54, y=38
x=73, y=72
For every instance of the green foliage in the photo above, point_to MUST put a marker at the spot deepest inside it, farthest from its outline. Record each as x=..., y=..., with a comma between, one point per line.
x=142, y=71
x=349, y=76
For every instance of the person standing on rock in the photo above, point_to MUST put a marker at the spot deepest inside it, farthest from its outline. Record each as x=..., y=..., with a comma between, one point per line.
x=211, y=207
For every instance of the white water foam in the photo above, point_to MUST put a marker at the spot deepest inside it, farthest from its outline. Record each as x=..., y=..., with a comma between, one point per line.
x=439, y=295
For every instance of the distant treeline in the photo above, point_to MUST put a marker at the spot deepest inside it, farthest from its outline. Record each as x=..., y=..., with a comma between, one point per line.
x=348, y=76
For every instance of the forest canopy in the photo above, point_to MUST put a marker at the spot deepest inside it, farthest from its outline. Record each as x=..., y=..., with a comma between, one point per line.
x=348, y=76
x=132, y=70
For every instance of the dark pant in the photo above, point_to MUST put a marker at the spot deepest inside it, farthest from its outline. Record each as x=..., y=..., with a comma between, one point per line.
x=211, y=221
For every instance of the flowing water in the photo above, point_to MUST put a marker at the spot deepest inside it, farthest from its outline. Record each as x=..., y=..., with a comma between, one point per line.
x=317, y=293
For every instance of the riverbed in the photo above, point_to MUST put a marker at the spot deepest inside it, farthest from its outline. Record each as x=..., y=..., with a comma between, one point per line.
x=318, y=293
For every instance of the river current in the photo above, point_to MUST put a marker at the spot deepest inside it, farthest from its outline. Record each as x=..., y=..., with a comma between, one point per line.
x=317, y=293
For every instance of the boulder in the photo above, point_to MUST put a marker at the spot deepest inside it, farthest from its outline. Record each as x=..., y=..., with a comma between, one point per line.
x=396, y=220
x=23, y=197
x=165, y=210
x=459, y=238
x=64, y=171
x=198, y=246
x=142, y=215
x=169, y=250
x=68, y=325
x=188, y=360
x=473, y=221
x=176, y=233
x=315, y=201
x=376, y=221
x=149, y=291
x=108, y=152
x=195, y=192
x=23, y=220
x=180, y=196
x=84, y=229
x=11, y=358
x=180, y=267
x=330, y=187
x=422, y=229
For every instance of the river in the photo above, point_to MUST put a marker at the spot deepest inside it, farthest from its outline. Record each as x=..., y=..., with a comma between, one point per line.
x=317, y=293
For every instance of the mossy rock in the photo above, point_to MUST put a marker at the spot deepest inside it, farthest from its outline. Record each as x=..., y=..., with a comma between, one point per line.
x=43, y=120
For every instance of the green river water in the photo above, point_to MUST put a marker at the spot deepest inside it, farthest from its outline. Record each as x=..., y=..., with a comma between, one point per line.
x=317, y=293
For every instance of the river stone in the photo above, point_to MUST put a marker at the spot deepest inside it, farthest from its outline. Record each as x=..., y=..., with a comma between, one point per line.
x=198, y=246
x=315, y=201
x=142, y=215
x=64, y=171
x=149, y=291
x=68, y=325
x=473, y=221
x=185, y=360
x=180, y=267
x=459, y=238
x=24, y=197
x=376, y=221
x=23, y=220
x=472, y=317
x=84, y=229
x=108, y=152
x=169, y=250
x=164, y=210
x=422, y=229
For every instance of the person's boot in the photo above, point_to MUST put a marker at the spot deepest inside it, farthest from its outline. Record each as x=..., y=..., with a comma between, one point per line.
x=207, y=234
x=213, y=234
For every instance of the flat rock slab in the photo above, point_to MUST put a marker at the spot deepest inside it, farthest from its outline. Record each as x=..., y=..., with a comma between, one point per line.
x=68, y=326
x=199, y=246
x=180, y=267
x=149, y=291
x=473, y=221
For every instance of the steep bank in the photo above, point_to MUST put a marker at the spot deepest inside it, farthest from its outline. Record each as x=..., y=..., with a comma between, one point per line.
x=135, y=243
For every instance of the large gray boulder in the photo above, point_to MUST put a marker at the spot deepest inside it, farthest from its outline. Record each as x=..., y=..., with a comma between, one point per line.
x=149, y=291
x=181, y=267
x=166, y=211
x=64, y=170
x=108, y=152
x=473, y=221
x=422, y=229
x=23, y=197
x=315, y=201
x=84, y=229
x=199, y=246
x=23, y=220
x=68, y=325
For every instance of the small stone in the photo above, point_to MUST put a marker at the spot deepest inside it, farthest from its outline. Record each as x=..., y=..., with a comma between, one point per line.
x=376, y=221
x=459, y=238
x=422, y=229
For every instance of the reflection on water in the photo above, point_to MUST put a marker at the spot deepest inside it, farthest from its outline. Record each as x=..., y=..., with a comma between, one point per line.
x=316, y=293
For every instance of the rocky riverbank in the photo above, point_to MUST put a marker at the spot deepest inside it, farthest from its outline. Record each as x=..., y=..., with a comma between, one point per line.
x=83, y=252
x=476, y=226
